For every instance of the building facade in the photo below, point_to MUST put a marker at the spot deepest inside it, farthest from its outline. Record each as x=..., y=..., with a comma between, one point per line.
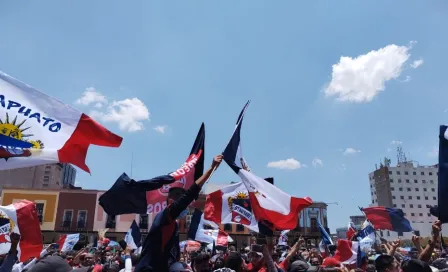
x=48, y=176
x=412, y=188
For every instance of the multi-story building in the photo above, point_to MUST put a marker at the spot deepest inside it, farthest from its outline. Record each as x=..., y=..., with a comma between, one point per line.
x=68, y=175
x=48, y=176
x=410, y=187
x=357, y=220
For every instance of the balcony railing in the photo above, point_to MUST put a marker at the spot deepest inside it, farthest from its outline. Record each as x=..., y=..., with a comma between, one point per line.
x=66, y=224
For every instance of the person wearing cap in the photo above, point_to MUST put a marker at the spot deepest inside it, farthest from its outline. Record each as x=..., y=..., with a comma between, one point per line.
x=301, y=266
x=161, y=246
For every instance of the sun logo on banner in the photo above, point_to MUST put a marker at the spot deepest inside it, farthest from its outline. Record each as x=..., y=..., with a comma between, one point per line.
x=238, y=195
x=6, y=228
x=14, y=130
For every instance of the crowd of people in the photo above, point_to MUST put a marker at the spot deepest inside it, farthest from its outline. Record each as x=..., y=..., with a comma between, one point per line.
x=161, y=251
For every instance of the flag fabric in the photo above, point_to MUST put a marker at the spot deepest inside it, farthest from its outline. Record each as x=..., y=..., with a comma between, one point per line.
x=323, y=249
x=268, y=202
x=133, y=237
x=200, y=230
x=366, y=237
x=347, y=251
x=442, y=199
x=128, y=196
x=67, y=241
x=359, y=257
x=387, y=219
x=21, y=218
x=351, y=230
x=230, y=205
x=326, y=238
x=283, y=238
x=38, y=129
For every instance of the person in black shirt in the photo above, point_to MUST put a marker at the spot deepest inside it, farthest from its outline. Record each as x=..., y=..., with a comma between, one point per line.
x=161, y=247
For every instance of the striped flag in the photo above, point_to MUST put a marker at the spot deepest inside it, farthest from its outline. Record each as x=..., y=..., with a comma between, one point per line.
x=133, y=237
x=268, y=202
x=38, y=129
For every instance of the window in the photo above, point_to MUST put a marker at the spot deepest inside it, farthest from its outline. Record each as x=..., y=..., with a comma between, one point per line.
x=228, y=227
x=40, y=211
x=416, y=189
x=400, y=189
x=48, y=167
x=398, y=172
x=434, y=198
x=424, y=189
x=424, y=181
x=110, y=222
x=422, y=173
x=412, y=214
x=390, y=172
x=402, y=205
x=415, y=181
x=47, y=172
x=46, y=178
x=409, y=197
x=419, y=206
x=426, y=198
x=428, y=206
x=45, y=185
x=431, y=181
x=67, y=218
x=429, y=214
x=414, y=173
x=411, y=206
x=399, y=180
x=433, y=190
x=388, y=233
x=143, y=223
x=401, y=197
x=407, y=181
x=395, y=205
x=393, y=197
x=409, y=189
x=391, y=180
x=430, y=173
x=418, y=198
x=420, y=214
x=406, y=172
x=239, y=228
x=392, y=188
x=82, y=219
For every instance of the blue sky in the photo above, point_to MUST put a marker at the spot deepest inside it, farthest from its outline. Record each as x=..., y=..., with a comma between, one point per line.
x=174, y=65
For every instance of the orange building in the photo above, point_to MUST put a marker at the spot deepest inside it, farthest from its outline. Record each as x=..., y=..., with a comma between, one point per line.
x=46, y=204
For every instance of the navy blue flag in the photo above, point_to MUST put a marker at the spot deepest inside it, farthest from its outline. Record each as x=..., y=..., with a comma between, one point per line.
x=128, y=196
x=442, y=201
x=326, y=238
x=133, y=237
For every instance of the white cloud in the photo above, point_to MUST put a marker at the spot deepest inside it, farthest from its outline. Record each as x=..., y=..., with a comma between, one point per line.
x=350, y=151
x=289, y=164
x=317, y=162
x=129, y=114
x=90, y=96
x=160, y=129
x=361, y=78
x=407, y=79
x=416, y=63
x=395, y=142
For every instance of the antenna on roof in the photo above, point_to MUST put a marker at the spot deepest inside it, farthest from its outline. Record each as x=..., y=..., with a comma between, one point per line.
x=401, y=156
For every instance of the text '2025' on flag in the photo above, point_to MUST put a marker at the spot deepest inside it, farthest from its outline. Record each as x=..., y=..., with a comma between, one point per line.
x=128, y=196
x=38, y=129
x=21, y=218
x=268, y=202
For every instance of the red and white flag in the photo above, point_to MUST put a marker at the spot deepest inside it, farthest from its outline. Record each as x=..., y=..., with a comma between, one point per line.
x=346, y=252
x=231, y=205
x=38, y=129
x=272, y=204
x=351, y=230
x=21, y=218
x=67, y=241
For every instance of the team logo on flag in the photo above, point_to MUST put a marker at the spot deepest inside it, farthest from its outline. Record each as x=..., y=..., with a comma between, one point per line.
x=18, y=132
x=241, y=211
x=6, y=227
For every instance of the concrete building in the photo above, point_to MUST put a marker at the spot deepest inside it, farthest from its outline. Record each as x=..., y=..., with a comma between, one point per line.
x=341, y=233
x=410, y=187
x=357, y=220
x=48, y=176
x=68, y=175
